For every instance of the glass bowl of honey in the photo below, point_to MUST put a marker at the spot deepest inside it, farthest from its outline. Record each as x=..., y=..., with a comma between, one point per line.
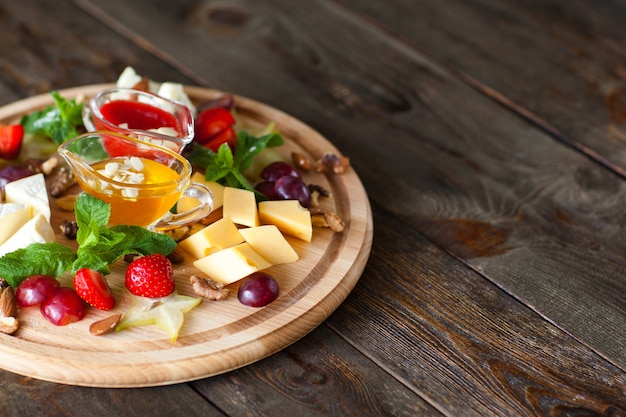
x=141, y=181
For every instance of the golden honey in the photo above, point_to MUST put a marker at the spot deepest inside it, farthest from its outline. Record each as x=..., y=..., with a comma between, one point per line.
x=139, y=204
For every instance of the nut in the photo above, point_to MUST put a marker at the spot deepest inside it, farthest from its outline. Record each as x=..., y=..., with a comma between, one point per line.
x=8, y=303
x=62, y=180
x=106, y=325
x=9, y=325
x=300, y=161
x=208, y=288
x=333, y=163
x=69, y=229
x=327, y=219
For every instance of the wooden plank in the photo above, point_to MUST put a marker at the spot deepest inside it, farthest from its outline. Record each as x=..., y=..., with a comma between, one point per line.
x=559, y=63
x=318, y=376
x=462, y=342
x=536, y=219
x=38, y=57
x=21, y=396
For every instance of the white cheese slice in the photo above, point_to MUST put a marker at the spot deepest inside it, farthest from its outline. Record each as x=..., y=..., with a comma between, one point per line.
x=12, y=217
x=176, y=92
x=36, y=230
x=29, y=191
x=129, y=79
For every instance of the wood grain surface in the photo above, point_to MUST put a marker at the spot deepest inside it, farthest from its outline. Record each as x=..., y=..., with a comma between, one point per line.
x=489, y=138
x=473, y=176
x=217, y=336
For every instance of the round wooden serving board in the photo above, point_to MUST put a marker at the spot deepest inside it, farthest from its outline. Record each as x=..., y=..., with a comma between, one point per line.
x=217, y=336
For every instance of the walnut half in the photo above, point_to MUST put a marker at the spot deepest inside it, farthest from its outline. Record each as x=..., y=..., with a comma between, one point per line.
x=208, y=288
x=328, y=219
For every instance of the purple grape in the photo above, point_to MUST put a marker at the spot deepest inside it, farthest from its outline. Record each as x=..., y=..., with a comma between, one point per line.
x=279, y=169
x=257, y=290
x=13, y=173
x=292, y=188
x=267, y=188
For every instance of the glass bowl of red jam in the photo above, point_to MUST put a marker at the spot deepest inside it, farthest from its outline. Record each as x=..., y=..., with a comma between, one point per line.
x=134, y=112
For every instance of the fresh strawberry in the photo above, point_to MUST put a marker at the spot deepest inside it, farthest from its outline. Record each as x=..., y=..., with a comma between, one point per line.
x=11, y=138
x=150, y=276
x=212, y=122
x=91, y=286
x=226, y=136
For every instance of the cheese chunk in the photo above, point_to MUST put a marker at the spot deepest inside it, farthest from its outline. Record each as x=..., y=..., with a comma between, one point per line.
x=176, y=92
x=36, y=230
x=12, y=217
x=232, y=264
x=270, y=243
x=219, y=235
x=29, y=191
x=289, y=216
x=217, y=189
x=240, y=207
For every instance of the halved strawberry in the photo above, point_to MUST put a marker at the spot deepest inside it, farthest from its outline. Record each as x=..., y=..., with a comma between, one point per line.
x=150, y=276
x=11, y=138
x=91, y=286
x=211, y=122
x=226, y=136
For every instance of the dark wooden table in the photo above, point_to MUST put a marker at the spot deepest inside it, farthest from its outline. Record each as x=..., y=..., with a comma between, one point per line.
x=491, y=139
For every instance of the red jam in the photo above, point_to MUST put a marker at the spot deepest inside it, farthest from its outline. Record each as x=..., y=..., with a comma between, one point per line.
x=137, y=115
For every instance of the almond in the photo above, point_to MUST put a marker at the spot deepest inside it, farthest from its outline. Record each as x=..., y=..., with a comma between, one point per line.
x=9, y=325
x=104, y=326
x=8, y=303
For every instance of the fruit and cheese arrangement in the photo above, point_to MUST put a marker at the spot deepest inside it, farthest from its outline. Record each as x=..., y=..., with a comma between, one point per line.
x=264, y=214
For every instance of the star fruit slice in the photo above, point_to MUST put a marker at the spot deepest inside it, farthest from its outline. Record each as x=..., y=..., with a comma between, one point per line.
x=167, y=313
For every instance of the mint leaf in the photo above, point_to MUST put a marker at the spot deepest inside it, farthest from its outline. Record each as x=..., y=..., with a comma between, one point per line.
x=52, y=259
x=59, y=122
x=249, y=146
x=90, y=260
x=145, y=242
x=226, y=168
x=99, y=246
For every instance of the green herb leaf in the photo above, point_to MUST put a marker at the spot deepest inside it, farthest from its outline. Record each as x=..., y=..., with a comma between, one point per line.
x=142, y=241
x=52, y=259
x=59, y=122
x=98, y=246
x=226, y=168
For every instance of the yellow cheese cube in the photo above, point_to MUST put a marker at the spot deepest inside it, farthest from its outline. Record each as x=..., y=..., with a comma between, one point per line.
x=240, y=207
x=187, y=203
x=270, y=243
x=219, y=235
x=232, y=264
x=289, y=216
x=216, y=189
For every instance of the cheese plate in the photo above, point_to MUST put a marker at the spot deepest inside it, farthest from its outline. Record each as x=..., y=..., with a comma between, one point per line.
x=217, y=336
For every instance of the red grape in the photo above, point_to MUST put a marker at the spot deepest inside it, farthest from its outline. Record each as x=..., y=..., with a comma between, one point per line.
x=35, y=289
x=279, y=169
x=292, y=188
x=13, y=173
x=257, y=290
x=63, y=307
x=267, y=188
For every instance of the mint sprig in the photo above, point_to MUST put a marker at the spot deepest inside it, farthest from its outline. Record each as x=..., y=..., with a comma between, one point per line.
x=227, y=168
x=98, y=246
x=59, y=122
